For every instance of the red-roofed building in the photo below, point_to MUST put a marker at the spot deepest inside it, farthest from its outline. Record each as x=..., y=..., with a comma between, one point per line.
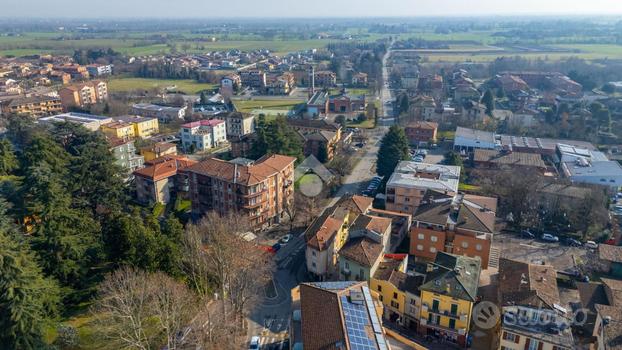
x=161, y=178
x=203, y=134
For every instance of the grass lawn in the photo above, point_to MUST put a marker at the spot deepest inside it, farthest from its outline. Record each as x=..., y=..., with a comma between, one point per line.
x=467, y=187
x=368, y=124
x=129, y=84
x=446, y=134
x=271, y=105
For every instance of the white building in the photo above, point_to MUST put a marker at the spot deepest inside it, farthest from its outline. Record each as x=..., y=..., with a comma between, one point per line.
x=164, y=114
x=203, y=134
x=470, y=139
x=89, y=121
x=96, y=70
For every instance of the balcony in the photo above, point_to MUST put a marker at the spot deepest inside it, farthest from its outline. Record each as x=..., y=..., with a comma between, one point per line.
x=461, y=317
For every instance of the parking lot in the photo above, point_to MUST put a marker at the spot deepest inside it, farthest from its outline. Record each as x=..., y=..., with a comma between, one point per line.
x=537, y=251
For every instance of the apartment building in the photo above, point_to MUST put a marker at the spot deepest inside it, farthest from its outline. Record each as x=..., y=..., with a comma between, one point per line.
x=411, y=181
x=163, y=114
x=161, y=178
x=203, y=134
x=421, y=132
x=239, y=124
x=158, y=149
x=97, y=70
x=119, y=130
x=325, y=79
x=144, y=127
x=531, y=308
x=35, y=106
x=253, y=78
x=462, y=224
x=257, y=191
x=124, y=152
x=85, y=94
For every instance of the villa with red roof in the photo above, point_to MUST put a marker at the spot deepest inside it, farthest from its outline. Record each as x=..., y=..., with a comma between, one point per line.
x=203, y=134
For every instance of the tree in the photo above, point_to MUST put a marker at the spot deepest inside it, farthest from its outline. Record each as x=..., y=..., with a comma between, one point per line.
x=276, y=137
x=322, y=153
x=8, y=161
x=27, y=298
x=453, y=158
x=203, y=99
x=393, y=149
x=489, y=100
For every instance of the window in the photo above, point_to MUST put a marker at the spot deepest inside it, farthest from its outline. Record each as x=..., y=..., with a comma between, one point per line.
x=434, y=238
x=394, y=295
x=420, y=236
x=452, y=323
x=465, y=244
x=347, y=265
x=313, y=252
x=313, y=264
x=514, y=338
x=380, y=288
x=478, y=247
x=419, y=247
x=533, y=344
x=395, y=305
x=454, y=309
x=406, y=199
x=435, y=304
x=380, y=298
x=432, y=250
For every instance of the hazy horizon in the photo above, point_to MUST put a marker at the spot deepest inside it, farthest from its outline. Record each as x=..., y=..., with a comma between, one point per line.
x=318, y=8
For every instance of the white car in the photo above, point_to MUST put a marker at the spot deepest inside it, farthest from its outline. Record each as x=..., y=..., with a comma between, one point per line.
x=286, y=238
x=591, y=245
x=254, y=345
x=549, y=238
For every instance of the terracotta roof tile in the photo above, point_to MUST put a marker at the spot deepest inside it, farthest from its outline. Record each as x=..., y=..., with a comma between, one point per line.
x=527, y=284
x=362, y=250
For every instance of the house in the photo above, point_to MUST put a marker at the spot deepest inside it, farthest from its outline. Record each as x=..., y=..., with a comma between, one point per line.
x=474, y=111
x=325, y=79
x=398, y=291
x=423, y=107
x=347, y=104
x=506, y=159
x=511, y=83
x=336, y=315
x=203, y=134
x=144, y=127
x=163, y=114
x=448, y=294
x=421, y=132
x=75, y=70
x=462, y=224
x=368, y=240
x=97, y=70
x=160, y=179
x=532, y=311
x=231, y=82
x=239, y=124
x=84, y=94
x=89, y=121
x=329, y=232
x=35, y=106
x=317, y=134
x=611, y=256
x=258, y=191
x=602, y=304
x=359, y=79
x=410, y=181
x=124, y=153
x=158, y=149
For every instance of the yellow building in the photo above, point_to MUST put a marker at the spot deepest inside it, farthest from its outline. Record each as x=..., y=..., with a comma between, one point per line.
x=157, y=150
x=143, y=127
x=119, y=130
x=447, y=297
x=389, y=282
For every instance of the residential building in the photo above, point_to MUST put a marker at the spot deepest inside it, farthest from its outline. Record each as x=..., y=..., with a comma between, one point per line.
x=359, y=79
x=325, y=79
x=511, y=83
x=84, y=94
x=336, y=315
x=602, y=305
x=163, y=114
x=423, y=107
x=410, y=181
x=161, y=179
x=258, y=191
x=144, y=127
x=474, y=112
x=462, y=224
x=611, y=257
x=239, y=124
x=120, y=130
x=89, y=121
x=75, y=70
x=125, y=155
x=506, y=159
x=253, y=78
x=97, y=70
x=421, y=132
x=347, y=104
x=368, y=240
x=35, y=106
x=329, y=232
x=203, y=134
x=398, y=291
x=231, y=82
x=317, y=134
x=158, y=149
x=448, y=294
x=533, y=316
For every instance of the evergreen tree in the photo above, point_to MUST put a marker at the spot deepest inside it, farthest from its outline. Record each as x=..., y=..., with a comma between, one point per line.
x=203, y=99
x=322, y=153
x=27, y=299
x=489, y=100
x=8, y=161
x=394, y=148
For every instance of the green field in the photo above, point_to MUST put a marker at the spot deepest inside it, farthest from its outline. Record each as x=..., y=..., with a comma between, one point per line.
x=129, y=84
x=270, y=105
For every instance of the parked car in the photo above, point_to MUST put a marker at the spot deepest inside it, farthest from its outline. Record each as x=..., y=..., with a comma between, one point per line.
x=360, y=145
x=254, y=344
x=527, y=234
x=418, y=159
x=591, y=245
x=549, y=237
x=276, y=247
x=572, y=242
x=285, y=238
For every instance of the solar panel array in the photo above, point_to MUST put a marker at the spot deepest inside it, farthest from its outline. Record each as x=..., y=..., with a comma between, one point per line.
x=339, y=285
x=375, y=319
x=359, y=319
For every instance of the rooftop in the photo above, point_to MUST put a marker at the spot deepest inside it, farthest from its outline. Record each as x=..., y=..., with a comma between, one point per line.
x=205, y=123
x=164, y=168
x=528, y=285
x=508, y=158
x=74, y=117
x=453, y=275
x=249, y=175
x=610, y=253
x=428, y=176
x=469, y=212
x=362, y=250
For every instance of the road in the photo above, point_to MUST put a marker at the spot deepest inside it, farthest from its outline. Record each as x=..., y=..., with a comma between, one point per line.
x=270, y=319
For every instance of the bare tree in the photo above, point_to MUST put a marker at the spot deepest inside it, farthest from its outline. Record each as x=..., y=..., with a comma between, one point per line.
x=139, y=310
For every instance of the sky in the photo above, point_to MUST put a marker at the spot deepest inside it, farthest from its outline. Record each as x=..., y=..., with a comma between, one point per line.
x=300, y=8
